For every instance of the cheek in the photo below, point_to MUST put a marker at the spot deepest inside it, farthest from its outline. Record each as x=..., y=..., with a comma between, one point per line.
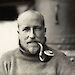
x=23, y=36
x=40, y=35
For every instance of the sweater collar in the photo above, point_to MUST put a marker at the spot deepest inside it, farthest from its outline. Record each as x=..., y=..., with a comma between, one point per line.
x=47, y=53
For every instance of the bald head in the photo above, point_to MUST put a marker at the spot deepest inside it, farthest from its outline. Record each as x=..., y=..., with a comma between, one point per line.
x=31, y=30
x=30, y=15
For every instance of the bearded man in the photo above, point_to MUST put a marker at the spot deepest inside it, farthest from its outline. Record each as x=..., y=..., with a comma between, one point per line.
x=34, y=57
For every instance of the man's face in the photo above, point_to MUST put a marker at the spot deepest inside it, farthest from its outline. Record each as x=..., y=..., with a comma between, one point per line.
x=31, y=31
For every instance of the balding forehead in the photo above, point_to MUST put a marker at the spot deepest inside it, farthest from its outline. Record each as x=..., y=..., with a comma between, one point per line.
x=30, y=14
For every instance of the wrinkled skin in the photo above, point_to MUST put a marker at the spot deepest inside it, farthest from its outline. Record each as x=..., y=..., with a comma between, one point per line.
x=31, y=31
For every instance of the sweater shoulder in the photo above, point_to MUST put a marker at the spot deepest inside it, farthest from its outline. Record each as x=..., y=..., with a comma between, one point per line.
x=60, y=56
x=8, y=55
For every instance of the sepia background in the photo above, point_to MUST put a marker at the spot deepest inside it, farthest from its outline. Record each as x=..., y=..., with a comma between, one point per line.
x=59, y=19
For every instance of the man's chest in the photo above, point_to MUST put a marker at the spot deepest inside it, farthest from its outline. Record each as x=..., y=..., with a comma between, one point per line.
x=34, y=68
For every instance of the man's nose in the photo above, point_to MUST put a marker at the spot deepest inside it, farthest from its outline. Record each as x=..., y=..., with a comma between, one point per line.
x=32, y=35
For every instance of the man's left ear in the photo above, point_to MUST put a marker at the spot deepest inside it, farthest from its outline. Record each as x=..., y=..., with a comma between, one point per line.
x=45, y=30
x=18, y=32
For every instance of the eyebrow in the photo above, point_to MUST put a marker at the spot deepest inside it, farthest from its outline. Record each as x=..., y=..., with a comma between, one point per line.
x=37, y=26
x=25, y=28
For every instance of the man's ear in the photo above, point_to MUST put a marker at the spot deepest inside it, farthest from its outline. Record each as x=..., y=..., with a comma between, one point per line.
x=45, y=30
x=18, y=32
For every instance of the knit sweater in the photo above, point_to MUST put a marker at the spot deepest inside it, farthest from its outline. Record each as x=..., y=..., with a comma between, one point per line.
x=16, y=63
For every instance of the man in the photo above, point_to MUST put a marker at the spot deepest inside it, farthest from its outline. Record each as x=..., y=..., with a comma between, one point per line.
x=33, y=57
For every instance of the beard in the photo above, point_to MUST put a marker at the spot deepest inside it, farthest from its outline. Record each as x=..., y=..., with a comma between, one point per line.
x=32, y=49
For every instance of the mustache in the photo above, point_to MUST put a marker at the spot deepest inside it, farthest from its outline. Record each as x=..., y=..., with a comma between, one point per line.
x=32, y=41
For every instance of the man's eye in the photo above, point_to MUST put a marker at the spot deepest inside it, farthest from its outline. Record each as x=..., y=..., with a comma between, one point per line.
x=26, y=29
x=37, y=28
